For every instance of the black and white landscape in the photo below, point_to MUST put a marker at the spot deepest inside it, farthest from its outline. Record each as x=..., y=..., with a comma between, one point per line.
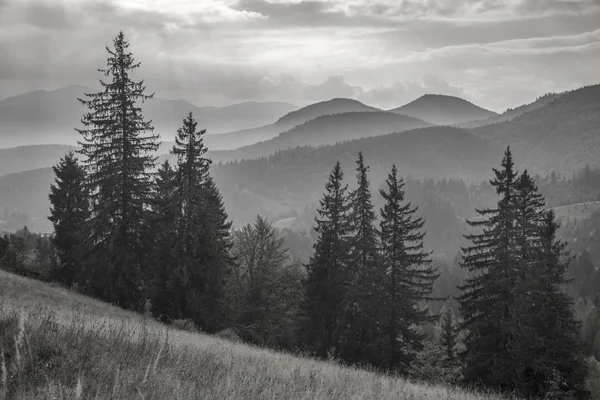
x=287, y=199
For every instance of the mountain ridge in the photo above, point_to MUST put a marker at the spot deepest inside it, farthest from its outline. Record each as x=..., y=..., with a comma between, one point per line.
x=441, y=109
x=246, y=137
x=50, y=117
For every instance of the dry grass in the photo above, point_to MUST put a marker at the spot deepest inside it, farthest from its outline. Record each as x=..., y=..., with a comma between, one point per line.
x=59, y=345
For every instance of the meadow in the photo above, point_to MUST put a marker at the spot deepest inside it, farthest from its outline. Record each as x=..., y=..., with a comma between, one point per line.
x=57, y=344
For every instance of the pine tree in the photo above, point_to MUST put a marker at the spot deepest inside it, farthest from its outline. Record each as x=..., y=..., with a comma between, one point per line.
x=449, y=337
x=488, y=297
x=361, y=304
x=161, y=238
x=218, y=243
x=409, y=277
x=328, y=277
x=521, y=332
x=555, y=343
x=119, y=161
x=69, y=211
x=202, y=235
x=520, y=341
x=365, y=243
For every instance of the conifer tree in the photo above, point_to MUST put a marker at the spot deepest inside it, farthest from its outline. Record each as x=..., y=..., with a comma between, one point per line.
x=552, y=348
x=362, y=218
x=521, y=332
x=328, y=276
x=118, y=147
x=408, y=278
x=161, y=236
x=69, y=212
x=218, y=242
x=449, y=337
x=488, y=297
x=202, y=235
x=361, y=305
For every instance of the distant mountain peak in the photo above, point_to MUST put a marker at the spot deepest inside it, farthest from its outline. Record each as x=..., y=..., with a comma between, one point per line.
x=336, y=105
x=443, y=109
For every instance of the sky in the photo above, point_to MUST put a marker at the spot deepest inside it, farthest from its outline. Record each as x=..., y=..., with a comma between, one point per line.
x=495, y=53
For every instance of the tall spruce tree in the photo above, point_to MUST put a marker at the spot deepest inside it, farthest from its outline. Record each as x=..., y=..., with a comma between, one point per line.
x=328, y=275
x=69, y=212
x=202, y=235
x=521, y=332
x=217, y=234
x=161, y=238
x=361, y=305
x=408, y=278
x=119, y=159
x=528, y=212
x=488, y=297
x=551, y=348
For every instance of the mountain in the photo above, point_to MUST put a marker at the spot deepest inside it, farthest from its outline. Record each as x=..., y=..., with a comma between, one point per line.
x=512, y=113
x=27, y=192
x=333, y=106
x=234, y=140
x=49, y=117
x=562, y=135
x=328, y=129
x=443, y=110
x=291, y=179
x=17, y=159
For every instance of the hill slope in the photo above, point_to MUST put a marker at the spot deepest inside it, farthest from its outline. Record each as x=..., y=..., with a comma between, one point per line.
x=330, y=129
x=17, y=159
x=78, y=347
x=49, y=117
x=563, y=135
x=333, y=106
x=443, y=110
x=234, y=140
x=290, y=179
x=512, y=113
x=27, y=192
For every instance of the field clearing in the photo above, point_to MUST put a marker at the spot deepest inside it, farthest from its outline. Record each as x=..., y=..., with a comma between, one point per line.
x=60, y=345
x=577, y=211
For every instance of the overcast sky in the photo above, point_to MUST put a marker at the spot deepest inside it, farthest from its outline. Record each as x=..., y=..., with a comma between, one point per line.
x=496, y=53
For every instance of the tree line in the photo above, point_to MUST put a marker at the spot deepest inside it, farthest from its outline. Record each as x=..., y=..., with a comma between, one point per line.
x=157, y=239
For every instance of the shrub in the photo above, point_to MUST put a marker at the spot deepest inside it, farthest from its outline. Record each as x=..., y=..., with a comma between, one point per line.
x=186, y=325
x=229, y=334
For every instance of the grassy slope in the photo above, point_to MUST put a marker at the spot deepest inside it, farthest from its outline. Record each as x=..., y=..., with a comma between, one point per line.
x=71, y=346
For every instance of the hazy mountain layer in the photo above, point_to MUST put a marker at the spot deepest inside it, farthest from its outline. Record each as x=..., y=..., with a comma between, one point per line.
x=245, y=137
x=50, y=117
x=328, y=129
x=443, y=110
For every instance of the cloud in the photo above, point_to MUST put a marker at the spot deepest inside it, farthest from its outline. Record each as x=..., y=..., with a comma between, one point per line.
x=382, y=52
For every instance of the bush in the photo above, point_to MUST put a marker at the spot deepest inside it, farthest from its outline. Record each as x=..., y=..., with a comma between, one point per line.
x=186, y=325
x=431, y=365
x=229, y=334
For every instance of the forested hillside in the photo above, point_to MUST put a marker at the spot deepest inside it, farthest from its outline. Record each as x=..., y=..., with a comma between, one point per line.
x=328, y=129
x=246, y=137
x=563, y=135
